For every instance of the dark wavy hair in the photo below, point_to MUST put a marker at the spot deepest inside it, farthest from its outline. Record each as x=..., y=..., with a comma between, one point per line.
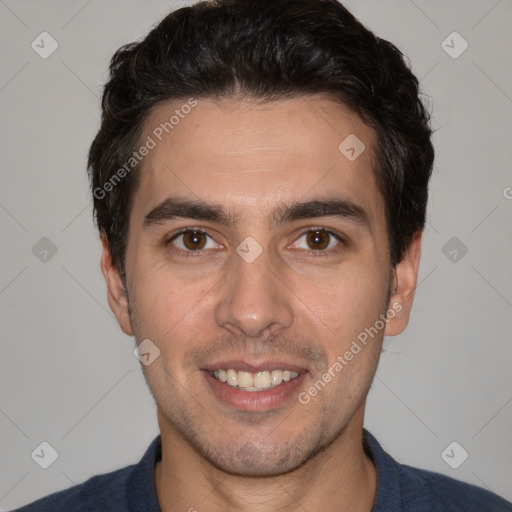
x=266, y=50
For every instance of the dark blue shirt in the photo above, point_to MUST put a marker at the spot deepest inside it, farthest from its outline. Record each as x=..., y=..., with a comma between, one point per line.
x=400, y=488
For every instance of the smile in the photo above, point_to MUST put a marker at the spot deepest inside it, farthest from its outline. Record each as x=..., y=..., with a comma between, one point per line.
x=254, y=381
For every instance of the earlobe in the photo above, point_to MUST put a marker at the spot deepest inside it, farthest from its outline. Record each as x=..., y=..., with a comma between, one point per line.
x=117, y=299
x=403, y=286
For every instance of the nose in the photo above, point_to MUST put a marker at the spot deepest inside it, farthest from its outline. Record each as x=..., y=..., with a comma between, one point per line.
x=254, y=299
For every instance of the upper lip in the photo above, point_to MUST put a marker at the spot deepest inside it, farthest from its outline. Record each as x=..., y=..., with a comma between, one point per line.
x=253, y=366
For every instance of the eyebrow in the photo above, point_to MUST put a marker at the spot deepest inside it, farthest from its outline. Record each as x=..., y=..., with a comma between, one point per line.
x=178, y=208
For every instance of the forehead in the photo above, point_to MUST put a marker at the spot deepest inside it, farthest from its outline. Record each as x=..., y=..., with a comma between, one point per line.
x=252, y=157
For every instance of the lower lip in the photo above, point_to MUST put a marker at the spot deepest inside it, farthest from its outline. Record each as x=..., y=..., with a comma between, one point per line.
x=254, y=400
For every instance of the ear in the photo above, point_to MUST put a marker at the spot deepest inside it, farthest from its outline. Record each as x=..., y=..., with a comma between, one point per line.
x=117, y=299
x=405, y=277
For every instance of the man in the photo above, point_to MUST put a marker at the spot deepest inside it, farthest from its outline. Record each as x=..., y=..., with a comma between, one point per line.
x=260, y=183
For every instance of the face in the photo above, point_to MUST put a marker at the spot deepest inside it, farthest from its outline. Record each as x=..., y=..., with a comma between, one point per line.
x=258, y=254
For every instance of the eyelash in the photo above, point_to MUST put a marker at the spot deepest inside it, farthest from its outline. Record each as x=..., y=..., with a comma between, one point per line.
x=318, y=253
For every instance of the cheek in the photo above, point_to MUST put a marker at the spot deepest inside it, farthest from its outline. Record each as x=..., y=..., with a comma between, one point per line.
x=169, y=306
x=349, y=300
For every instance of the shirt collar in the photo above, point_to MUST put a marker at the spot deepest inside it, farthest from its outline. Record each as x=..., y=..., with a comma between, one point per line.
x=388, y=496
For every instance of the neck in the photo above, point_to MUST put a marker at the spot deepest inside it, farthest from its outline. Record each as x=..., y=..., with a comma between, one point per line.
x=341, y=477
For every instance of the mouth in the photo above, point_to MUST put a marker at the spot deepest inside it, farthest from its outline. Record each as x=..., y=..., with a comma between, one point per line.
x=254, y=387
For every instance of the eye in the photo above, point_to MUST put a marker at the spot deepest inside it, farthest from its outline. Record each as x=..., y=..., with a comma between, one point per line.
x=318, y=240
x=314, y=240
x=192, y=240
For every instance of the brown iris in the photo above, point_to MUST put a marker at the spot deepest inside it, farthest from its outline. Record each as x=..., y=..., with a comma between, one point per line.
x=194, y=240
x=318, y=239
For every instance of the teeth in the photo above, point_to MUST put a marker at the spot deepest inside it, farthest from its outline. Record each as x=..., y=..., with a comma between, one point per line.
x=277, y=377
x=232, y=378
x=254, y=381
x=244, y=380
x=261, y=380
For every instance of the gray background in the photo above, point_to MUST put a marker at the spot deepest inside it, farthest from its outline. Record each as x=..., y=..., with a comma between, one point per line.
x=68, y=375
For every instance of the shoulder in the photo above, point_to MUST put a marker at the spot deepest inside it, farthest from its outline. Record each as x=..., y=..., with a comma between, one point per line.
x=402, y=488
x=442, y=493
x=116, y=491
x=107, y=490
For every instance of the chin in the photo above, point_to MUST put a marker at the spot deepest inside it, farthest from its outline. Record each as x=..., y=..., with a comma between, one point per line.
x=249, y=461
x=264, y=458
